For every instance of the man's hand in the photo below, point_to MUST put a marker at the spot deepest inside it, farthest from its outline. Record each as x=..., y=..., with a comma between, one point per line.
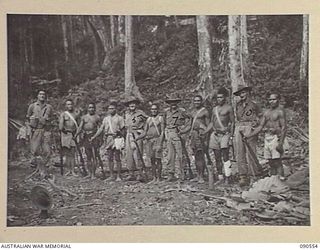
x=231, y=141
x=279, y=148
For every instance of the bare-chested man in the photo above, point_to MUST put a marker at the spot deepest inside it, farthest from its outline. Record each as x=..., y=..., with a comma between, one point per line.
x=89, y=125
x=154, y=134
x=113, y=128
x=222, y=124
x=68, y=126
x=200, y=121
x=274, y=125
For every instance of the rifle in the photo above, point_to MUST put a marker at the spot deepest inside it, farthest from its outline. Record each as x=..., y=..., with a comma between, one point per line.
x=60, y=154
x=185, y=152
x=252, y=154
x=101, y=165
x=139, y=152
x=85, y=172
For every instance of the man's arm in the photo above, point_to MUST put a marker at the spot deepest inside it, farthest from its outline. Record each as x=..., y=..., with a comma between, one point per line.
x=283, y=123
x=259, y=128
x=29, y=111
x=99, y=131
x=80, y=127
x=186, y=127
x=162, y=126
x=61, y=122
x=143, y=133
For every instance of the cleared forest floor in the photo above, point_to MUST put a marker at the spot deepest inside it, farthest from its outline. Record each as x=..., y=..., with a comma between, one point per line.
x=103, y=202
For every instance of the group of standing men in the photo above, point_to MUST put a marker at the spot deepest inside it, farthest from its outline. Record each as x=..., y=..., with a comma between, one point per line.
x=201, y=129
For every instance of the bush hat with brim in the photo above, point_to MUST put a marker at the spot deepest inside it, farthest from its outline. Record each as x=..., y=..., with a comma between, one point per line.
x=131, y=100
x=242, y=88
x=41, y=197
x=174, y=98
x=113, y=102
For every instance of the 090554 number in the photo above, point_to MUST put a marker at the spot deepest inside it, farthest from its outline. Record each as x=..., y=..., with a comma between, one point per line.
x=308, y=246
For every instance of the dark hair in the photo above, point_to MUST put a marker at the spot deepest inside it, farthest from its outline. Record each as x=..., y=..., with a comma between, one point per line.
x=276, y=94
x=198, y=96
x=69, y=100
x=223, y=91
x=155, y=104
x=92, y=103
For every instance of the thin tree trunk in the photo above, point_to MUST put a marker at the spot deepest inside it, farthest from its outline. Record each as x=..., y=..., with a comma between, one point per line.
x=104, y=35
x=244, y=47
x=97, y=57
x=176, y=21
x=70, y=24
x=304, y=51
x=121, y=24
x=131, y=88
x=84, y=25
x=31, y=44
x=113, y=31
x=235, y=52
x=65, y=39
x=205, y=86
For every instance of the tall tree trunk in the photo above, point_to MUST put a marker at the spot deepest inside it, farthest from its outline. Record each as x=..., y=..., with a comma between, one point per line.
x=244, y=47
x=70, y=29
x=131, y=88
x=97, y=45
x=121, y=24
x=113, y=31
x=205, y=86
x=236, y=75
x=304, y=52
x=176, y=22
x=84, y=25
x=104, y=36
x=65, y=38
x=31, y=45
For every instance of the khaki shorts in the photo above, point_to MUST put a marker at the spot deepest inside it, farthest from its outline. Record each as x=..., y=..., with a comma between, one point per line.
x=154, y=148
x=270, y=144
x=219, y=141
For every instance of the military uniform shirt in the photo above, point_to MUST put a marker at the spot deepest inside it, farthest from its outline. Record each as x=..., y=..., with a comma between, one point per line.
x=135, y=120
x=247, y=112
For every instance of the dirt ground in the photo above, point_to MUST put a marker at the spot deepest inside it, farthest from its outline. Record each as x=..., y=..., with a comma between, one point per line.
x=103, y=202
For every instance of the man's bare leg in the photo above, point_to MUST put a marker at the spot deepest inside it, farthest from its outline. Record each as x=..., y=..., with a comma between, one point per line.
x=226, y=164
x=218, y=157
x=200, y=163
x=158, y=169
x=154, y=169
x=118, y=163
x=73, y=160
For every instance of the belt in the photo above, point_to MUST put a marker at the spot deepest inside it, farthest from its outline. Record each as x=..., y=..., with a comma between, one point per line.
x=89, y=132
x=244, y=123
x=221, y=132
x=174, y=128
